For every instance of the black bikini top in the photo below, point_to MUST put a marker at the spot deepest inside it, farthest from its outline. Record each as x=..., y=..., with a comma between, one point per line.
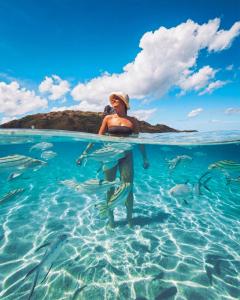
x=120, y=130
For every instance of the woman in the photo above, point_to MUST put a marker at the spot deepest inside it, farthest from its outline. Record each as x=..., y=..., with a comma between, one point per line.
x=120, y=124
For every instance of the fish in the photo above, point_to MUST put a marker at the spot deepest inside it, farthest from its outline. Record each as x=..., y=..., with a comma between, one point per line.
x=187, y=189
x=105, y=154
x=41, y=146
x=120, y=146
x=48, y=155
x=92, y=186
x=19, y=162
x=167, y=293
x=12, y=176
x=172, y=164
x=181, y=190
x=228, y=165
x=78, y=291
x=11, y=194
x=43, y=268
x=119, y=196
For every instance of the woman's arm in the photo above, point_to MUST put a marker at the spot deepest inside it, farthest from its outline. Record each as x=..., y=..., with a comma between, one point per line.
x=101, y=131
x=104, y=126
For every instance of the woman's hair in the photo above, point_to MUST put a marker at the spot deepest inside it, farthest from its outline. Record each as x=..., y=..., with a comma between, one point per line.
x=108, y=110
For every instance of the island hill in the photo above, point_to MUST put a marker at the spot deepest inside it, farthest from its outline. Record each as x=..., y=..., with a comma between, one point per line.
x=82, y=121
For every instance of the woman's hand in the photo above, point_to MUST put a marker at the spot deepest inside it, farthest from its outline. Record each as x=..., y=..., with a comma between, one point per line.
x=79, y=160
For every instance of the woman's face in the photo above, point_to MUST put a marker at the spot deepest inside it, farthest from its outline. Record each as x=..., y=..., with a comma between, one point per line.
x=116, y=102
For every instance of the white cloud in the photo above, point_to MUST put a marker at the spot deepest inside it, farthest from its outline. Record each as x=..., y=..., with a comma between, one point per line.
x=55, y=86
x=231, y=111
x=143, y=114
x=166, y=59
x=229, y=67
x=224, y=38
x=83, y=106
x=15, y=100
x=213, y=86
x=6, y=119
x=198, y=80
x=195, y=112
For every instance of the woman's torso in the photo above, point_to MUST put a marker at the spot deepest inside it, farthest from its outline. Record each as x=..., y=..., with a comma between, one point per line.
x=120, y=125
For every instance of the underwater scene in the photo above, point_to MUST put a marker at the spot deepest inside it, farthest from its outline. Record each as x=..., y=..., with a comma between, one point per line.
x=102, y=225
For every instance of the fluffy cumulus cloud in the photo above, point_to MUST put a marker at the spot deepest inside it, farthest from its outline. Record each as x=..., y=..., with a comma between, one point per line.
x=143, y=114
x=166, y=59
x=213, y=86
x=15, y=100
x=197, y=80
x=195, y=112
x=55, y=87
x=232, y=111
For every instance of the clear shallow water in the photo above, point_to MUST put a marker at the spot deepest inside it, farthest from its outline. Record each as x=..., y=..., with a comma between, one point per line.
x=182, y=246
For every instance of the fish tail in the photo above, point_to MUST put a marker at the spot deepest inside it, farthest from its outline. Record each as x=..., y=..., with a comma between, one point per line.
x=103, y=210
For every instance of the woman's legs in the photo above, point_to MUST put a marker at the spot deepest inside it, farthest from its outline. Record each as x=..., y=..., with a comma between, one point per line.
x=110, y=175
x=126, y=173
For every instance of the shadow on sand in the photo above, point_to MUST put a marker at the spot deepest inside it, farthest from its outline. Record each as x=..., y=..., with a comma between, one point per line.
x=143, y=221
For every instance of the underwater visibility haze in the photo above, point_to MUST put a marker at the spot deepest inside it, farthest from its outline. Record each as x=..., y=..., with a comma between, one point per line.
x=184, y=242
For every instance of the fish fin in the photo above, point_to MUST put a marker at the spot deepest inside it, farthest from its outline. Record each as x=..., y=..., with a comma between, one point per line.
x=103, y=210
x=47, y=273
x=42, y=246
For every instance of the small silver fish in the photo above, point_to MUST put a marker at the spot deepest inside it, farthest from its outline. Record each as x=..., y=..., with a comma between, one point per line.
x=43, y=268
x=13, y=176
x=48, y=155
x=174, y=162
x=41, y=146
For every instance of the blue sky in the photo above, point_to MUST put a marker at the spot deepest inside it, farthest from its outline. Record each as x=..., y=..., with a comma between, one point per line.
x=179, y=61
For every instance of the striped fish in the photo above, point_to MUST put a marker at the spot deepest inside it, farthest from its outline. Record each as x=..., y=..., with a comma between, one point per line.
x=118, y=197
x=11, y=194
x=92, y=186
x=18, y=161
x=105, y=155
x=120, y=146
x=228, y=165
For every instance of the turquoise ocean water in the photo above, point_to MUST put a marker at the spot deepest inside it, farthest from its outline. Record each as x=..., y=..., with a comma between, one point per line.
x=185, y=239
